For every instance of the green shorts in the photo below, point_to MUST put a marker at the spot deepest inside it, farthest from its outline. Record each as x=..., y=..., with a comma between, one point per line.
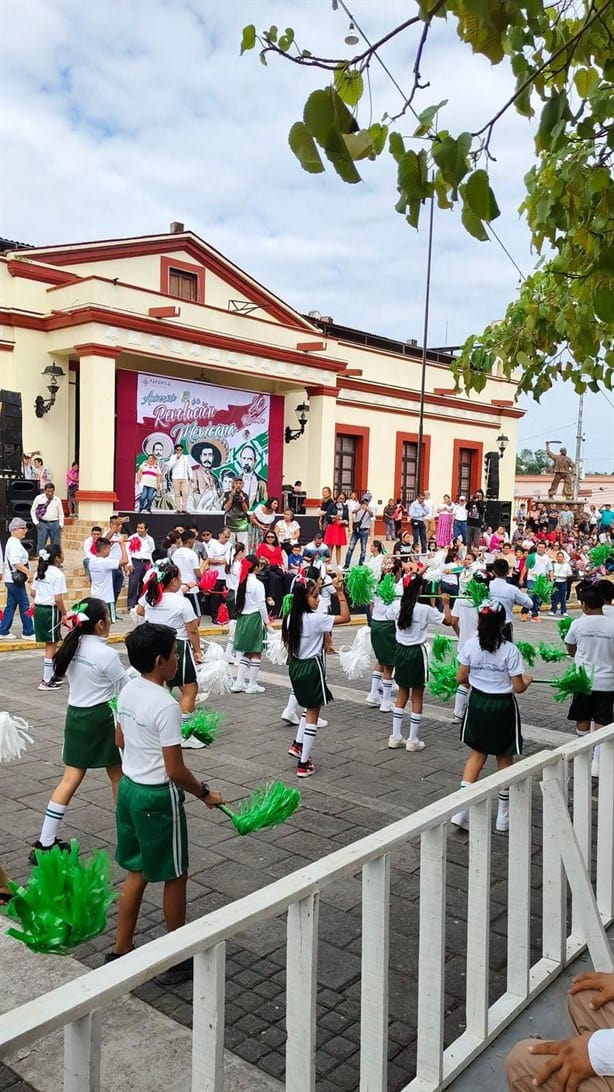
x=249, y=633
x=410, y=666
x=308, y=680
x=89, y=738
x=383, y=642
x=152, y=832
x=186, y=670
x=47, y=625
x=491, y=724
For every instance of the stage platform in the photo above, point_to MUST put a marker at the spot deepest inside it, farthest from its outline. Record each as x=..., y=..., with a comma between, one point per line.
x=161, y=523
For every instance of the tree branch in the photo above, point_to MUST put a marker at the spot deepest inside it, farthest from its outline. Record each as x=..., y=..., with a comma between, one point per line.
x=330, y=63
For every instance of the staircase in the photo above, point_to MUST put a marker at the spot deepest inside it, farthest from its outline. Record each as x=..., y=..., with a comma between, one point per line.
x=77, y=581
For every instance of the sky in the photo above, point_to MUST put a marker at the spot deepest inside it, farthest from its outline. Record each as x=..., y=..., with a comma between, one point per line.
x=117, y=118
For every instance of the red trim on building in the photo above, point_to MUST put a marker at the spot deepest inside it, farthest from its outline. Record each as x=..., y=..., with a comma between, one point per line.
x=430, y=399
x=311, y=346
x=164, y=312
x=166, y=264
x=501, y=402
x=6, y=346
x=362, y=437
x=476, y=469
x=425, y=467
x=315, y=392
x=33, y=272
x=97, y=495
x=91, y=348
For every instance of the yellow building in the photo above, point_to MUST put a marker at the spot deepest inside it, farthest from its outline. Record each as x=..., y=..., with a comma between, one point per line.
x=163, y=340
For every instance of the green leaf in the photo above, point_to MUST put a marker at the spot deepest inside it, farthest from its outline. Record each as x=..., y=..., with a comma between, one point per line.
x=479, y=196
x=451, y=157
x=248, y=41
x=552, y=113
x=271, y=34
x=586, y=81
x=338, y=155
x=396, y=145
x=473, y=224
x=349, y=84
x=378, y=134
x=304, y=148
x=426, y=118
x=359, y=145
x=263, y=59
x=286, y=40
x=326, y=116
x=603, y=303
x=523, y=360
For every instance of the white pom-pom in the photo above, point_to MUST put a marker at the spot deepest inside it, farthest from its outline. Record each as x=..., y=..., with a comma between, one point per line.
x=356, y=660
x=214, y=677
x=14, y=736
x=275, y=649
x=213, y=652
x=433, y=574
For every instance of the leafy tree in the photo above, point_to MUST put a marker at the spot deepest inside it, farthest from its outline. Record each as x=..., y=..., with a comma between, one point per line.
x=533, y=462
x=561, y=53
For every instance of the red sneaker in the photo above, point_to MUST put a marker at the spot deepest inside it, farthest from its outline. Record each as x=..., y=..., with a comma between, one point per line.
x=295, y=749
x=305, y=769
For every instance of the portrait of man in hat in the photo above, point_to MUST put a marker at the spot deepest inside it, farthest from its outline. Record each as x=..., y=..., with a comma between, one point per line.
x=206, y=491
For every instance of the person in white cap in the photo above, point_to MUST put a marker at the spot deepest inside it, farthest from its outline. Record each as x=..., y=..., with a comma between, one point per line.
x=16, y=573
x=460, y=519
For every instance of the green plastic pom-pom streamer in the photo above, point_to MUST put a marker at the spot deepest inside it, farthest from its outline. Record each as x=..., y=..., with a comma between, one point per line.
x=286, y=604
x=268, y=807
x=65, y=901
x=576, y=680
x=600, y=554
x=477, y=592
x=563, y=627
x=386, y=589
x=542, y=588
x=527, y=651
x=360, y=584
x=551, y=654
x=442, y=680
x=441, y=647
x=203, y=725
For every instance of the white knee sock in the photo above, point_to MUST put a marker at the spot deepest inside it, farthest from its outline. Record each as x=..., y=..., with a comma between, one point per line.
x=51, y=823
x=243, y=668
x=253, y=670
x=463, y=813
x=460, y=701
x=503, y=809
x=580, y=734
x=397, y=722
x=376, y=682
x=47, y=670
x=292, y=706
x=415, y=721
x=229, y=650
x=386, y=691
x=309, y=739
x=300, y=731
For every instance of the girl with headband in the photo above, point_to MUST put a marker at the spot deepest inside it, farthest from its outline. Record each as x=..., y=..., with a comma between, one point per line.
x=410, y=659
x=494, y=669
x=48, y=587
x=95, y=675
x=164, y=603
x=251, y=626
x=383, y=643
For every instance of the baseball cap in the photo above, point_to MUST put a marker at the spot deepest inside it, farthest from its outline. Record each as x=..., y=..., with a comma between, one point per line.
x=17, y=524
x=462, y=497
x=365, y=497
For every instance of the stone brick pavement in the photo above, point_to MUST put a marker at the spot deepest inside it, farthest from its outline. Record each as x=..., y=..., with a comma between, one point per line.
x=360, y=786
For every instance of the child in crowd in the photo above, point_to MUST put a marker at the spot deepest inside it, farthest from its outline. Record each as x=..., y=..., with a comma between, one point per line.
x=303, y=630
x=383, y=643
x=95, y=675
x=494, y=670
x=101, y=569
x=561, y=573
x=590, y=640
x=251, y=626
x=141, y=547
x=89, y=546
x=190, y=568
x=48, y=587
x=151, y=825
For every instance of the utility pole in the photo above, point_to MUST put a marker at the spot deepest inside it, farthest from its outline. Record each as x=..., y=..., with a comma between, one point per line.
x=425, y=334
x=579, y=450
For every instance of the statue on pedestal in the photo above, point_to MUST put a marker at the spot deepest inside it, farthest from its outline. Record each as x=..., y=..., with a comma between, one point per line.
x=564, y=468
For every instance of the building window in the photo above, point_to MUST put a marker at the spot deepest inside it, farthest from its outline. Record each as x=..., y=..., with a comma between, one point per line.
x=409, y=459
x=464, y=479
x=183, y=285
x=345, y=464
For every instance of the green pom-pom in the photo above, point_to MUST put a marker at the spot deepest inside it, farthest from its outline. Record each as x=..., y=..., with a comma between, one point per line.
x=441, y=647
x=551, y=654
x=203, y=725
x=65, y=901
x=264, y=808
x=112, y=703
x=600, y=554
x=386, y=589
x=360, y=583
x=563, y=627
x=527, y=651
x=286, y=604
x=542, y=588
x=442, y=680
x=576, y=680
x=477, y=592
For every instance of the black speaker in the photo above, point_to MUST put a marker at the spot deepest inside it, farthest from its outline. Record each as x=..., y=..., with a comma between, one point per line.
x=499, y=514
x=20, y=493
x=11, y=434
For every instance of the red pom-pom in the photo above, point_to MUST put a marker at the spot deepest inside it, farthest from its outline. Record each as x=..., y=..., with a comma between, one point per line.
x=134, y=544
x=223, y=616
x=30, y=611
x=208, y=580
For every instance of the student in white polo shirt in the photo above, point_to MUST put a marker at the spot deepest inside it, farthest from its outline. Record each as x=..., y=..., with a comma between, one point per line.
x=190, y=568
x=101, y=569
x=48, y=589
x=141, y=547
x=590, y=640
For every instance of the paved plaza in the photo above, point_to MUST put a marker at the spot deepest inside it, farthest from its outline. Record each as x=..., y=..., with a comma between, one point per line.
x=360, y=786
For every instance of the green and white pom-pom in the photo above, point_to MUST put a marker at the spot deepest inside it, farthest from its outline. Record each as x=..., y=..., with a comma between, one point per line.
x=14, y=736
x=476, y=591
x=576, y=680
x=356, y=660
x=267, y=807
x=65, y=901
x=286, y=604
x=563, y=627
x=274, y=648
x=527, y=651
x=442, y=680
x=441, y=647
x=360, y=583
x=551, y=654
x=600, y=554
x=386, y=589
x=542, y=588
x=203, y=725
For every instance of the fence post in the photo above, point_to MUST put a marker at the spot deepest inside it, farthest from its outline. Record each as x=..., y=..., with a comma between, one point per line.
x=553, y=888
x=519, y=889
x=208, y=997
x=605, y=831
x=301, y=987
x=478, y=920
x=429, y=1061
x=374, y=975
x=82, y=1054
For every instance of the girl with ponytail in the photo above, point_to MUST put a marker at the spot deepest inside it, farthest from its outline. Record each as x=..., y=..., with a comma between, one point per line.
x=251, y=626
x=383, y=643
x=163, y=603
x=410, y=659
x=95, y=675
x=48, y=587
x=303, y=632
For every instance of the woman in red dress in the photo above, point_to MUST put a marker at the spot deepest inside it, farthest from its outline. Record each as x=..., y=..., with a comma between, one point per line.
x=335, y=535
x=272, y=574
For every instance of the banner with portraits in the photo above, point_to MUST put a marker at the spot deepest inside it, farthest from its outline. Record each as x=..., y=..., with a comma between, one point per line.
x=223, y=432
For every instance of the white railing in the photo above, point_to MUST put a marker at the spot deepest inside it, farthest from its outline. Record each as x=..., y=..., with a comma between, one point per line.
x=566, y=855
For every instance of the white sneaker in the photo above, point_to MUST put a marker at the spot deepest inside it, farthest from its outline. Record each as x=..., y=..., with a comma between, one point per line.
x=28, y=637
x=238, y=688
x=456, y=719
x=322, y=723
x=6, y=637
x=371, y=701
x=502, y=826
x=253, y=688
x=192, y=744
x=415, y=745
x=289, y=717
x=386, y=708
x=461, y=820
x=396, y=741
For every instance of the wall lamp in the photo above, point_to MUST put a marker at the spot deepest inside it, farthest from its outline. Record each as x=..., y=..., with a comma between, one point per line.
x=54, y=374
x=302, y=412
x=502, y=441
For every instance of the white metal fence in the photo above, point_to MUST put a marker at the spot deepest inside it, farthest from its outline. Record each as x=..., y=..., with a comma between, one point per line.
x=566, y=860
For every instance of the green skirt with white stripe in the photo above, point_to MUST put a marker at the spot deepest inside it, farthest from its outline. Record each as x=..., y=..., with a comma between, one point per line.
x=186, y=670
x=383, y=642
x=47, y=625
x=491, y=724
x=89, y=738
x=410, y=666
x=249, y=633
x=308, y=679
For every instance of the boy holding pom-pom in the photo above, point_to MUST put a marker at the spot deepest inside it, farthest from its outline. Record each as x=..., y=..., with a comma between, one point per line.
x=590, y=640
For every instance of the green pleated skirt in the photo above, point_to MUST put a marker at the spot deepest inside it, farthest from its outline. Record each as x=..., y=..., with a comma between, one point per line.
x=89, y=738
